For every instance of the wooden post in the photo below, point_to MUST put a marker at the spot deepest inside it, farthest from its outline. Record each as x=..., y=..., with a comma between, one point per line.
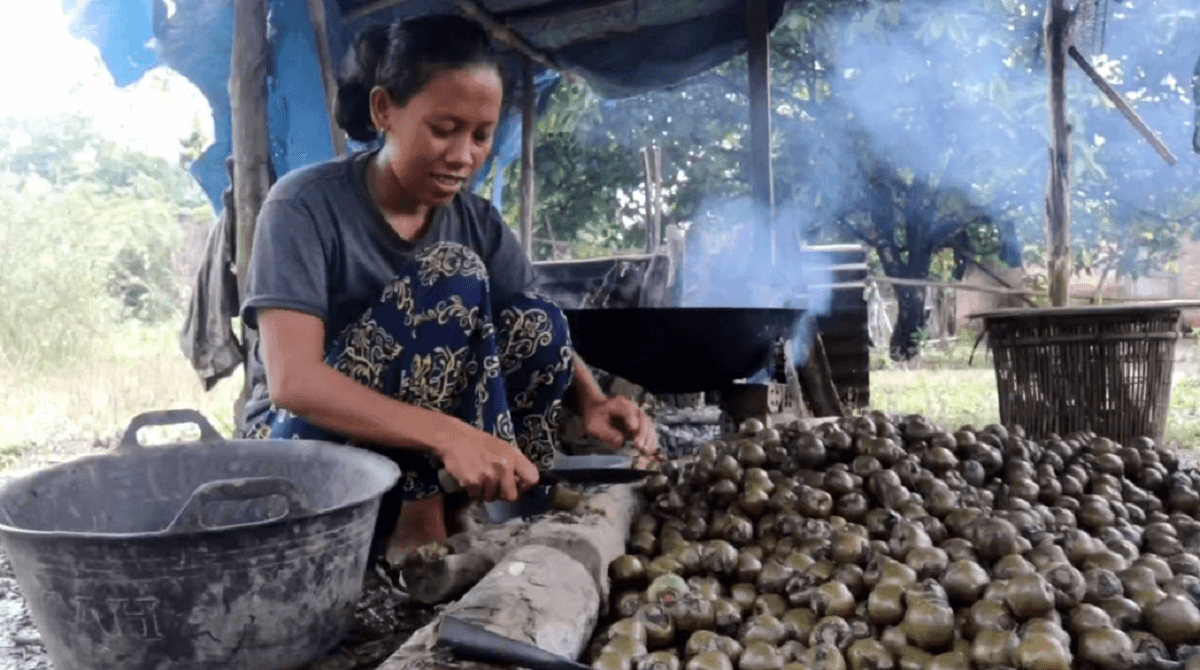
x=528, y=182
x=1058, y=192
x=652, y=171
x=316, y=16
x=761, y=186
x=250, y=139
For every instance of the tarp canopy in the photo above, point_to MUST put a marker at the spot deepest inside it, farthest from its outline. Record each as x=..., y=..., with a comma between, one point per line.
x=621, y=47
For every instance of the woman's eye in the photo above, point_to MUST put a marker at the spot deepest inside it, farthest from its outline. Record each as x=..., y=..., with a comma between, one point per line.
x=443, y=131
x=483, y=138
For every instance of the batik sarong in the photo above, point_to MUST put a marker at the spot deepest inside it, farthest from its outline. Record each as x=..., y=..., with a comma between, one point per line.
x=436, y=339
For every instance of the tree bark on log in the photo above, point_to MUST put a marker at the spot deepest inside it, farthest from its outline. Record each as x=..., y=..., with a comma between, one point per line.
x=444, y=576
x=548, y=591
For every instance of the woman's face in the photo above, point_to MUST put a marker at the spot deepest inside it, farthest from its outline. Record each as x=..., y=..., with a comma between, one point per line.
x=437, y=141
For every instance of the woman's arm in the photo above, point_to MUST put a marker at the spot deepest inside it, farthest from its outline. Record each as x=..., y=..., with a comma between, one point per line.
x=584, y=391
x=299, y=381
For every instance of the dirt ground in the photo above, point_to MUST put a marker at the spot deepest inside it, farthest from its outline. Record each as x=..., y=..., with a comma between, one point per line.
x=20, y=643
x=384, y=620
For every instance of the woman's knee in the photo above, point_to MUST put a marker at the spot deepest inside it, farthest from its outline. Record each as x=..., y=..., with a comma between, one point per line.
x=449, y=268
x=535, y=332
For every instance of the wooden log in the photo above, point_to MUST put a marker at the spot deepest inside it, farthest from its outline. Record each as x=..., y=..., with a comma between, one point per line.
x=528, y=180
x=448, y=571
x=548, y=591
x=1058, y=191
x=250, y=137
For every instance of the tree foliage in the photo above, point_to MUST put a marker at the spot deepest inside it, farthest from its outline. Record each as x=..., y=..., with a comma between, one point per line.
x=89, y=234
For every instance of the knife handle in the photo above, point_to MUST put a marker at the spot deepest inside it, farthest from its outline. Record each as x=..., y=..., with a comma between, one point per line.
x=449, y=482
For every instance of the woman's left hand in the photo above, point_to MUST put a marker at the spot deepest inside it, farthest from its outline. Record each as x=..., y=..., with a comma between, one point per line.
x=617, y=419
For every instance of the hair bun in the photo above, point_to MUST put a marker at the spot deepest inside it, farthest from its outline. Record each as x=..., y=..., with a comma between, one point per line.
x=352, y=110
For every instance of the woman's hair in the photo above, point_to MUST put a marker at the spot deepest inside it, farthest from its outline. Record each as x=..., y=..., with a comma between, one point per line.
x=403, y=58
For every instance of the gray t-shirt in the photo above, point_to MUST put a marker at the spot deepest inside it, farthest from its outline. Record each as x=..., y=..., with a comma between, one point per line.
x=322, y=247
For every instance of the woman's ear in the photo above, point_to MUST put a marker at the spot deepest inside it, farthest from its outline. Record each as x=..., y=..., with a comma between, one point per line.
x=381, y=107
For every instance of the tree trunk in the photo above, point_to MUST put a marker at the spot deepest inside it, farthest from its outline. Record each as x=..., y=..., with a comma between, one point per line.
x=910, y=319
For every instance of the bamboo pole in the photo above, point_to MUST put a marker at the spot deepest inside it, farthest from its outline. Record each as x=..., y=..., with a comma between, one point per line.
x=1058, y=195
x=528, y=182
x=759, y=60
x=1119, y=102
x=250, y=143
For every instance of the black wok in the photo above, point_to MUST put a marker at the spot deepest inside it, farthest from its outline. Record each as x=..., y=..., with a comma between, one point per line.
x=680, y=349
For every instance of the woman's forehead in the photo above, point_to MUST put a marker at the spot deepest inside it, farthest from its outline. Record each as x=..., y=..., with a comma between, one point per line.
x=472, y=91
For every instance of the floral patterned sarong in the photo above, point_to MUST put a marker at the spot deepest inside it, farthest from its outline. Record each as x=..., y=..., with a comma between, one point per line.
x=435, y=339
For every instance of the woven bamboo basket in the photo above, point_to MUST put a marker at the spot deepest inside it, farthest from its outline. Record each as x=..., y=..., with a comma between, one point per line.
x=1104, y=369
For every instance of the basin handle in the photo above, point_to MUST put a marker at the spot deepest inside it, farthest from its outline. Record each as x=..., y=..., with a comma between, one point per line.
x=189, y=518
x=167, y=417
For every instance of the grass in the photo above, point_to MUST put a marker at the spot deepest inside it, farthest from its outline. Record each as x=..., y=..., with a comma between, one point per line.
x=55, y=413
x=944, y=385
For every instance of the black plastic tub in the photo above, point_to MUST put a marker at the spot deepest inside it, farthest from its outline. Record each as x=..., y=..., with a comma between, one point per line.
x=198, y=555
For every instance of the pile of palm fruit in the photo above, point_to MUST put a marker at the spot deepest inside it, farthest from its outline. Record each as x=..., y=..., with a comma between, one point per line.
x=881, y=542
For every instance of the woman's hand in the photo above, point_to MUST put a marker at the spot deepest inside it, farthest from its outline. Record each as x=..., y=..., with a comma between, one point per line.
x=616, y=419
x=487, y=467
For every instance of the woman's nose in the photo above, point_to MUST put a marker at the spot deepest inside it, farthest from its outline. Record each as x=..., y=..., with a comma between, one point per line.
x=460, y=151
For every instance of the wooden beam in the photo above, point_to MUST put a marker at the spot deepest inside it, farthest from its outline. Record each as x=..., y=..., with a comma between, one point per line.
x=502, y=33
x=1058, y=193
x=369, y=9
x=1122, y=106
x=761, y=186
x=528, y=181
x=557, y=28
x=317, y=16
x=250, y=138
x=499, y=32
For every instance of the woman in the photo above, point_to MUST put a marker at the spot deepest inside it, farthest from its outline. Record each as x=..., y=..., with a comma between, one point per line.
x=393, y=306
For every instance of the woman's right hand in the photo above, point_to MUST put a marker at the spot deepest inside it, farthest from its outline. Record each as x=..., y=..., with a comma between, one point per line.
x=487, y=467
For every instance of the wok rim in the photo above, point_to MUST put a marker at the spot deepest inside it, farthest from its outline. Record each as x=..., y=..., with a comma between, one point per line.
x=7, y=488
x=787, y=320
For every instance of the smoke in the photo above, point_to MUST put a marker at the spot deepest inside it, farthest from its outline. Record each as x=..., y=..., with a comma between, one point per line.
x=727, y=265
x=951, y=94
x=954, y=94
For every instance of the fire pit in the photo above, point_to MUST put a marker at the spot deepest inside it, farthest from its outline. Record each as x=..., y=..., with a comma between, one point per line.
x=681, y=349
x=1106, y=369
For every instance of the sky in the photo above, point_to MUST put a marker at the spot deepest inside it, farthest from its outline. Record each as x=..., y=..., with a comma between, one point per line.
x=48, y=71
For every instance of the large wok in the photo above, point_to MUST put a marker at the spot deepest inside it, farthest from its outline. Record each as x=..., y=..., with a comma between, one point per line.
x=680, y=349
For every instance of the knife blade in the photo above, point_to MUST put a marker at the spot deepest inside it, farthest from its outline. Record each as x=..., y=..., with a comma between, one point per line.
x=470, y=642
x=566, y=475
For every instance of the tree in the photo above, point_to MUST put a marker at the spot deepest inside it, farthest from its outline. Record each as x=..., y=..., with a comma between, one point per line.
x=88, y=230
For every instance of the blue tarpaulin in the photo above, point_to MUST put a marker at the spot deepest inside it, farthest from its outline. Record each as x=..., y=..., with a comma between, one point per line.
x=621, y=47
